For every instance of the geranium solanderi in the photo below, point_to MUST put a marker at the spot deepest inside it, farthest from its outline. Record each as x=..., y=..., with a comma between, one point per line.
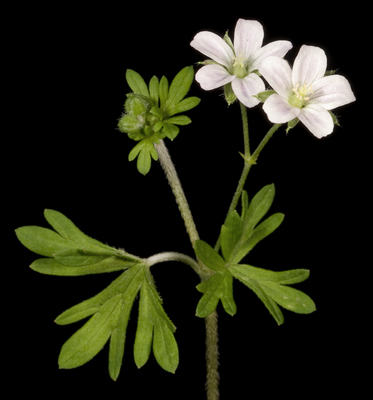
x=304, y=92
x=236, y=63
x=153, y=111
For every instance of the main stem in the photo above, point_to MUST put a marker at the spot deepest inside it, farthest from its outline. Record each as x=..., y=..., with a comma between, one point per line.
x=211, y=321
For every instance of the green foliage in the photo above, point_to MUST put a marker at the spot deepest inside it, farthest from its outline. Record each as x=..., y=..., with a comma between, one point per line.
x=150, y=113
x=70, y=252
x=239, y=234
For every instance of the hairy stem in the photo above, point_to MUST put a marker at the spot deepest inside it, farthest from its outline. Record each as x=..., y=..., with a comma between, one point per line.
x=173, y=256
x=211, y=322
x=212, y=356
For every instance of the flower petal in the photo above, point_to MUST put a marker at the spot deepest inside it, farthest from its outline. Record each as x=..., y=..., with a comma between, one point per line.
x=246, y=88
x=213, y=46
x=277, y=72
x=213, y=76
x=318, y=120
x=248, y=37
x=331, y=92
x=278, y=48
x=279, y=110
x=309, y=65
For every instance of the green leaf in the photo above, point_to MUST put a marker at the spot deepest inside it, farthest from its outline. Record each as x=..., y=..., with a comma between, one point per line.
x=170, y=130
x=128, y=284
x=209, y=256
x=179, y=120
x=77, y=257
x=267, y=301
x=258, y=207
x=137, y=83
x=184, y=105
x=231, y=233
x=49, y=266
x=42, y=241
x=154, y=90
x=153, y=319
x=218, y=286
x=268, y=285
x=91, y=338
x=163, y=92
x=289, y=298
x=67, y=229
x=179, y=87
x=259, y=233
x=281, y=277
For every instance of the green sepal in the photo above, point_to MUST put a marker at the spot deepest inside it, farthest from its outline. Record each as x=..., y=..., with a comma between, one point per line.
x=292, y=124
x=263, y=96
x=335, y=119
x=230, y=96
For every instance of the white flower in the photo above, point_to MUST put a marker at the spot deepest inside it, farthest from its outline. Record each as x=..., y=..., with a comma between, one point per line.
x=305, y=92
x=236, y=63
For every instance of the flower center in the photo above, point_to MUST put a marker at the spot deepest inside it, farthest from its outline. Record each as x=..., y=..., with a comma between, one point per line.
x=300, y=95
x=239, y=68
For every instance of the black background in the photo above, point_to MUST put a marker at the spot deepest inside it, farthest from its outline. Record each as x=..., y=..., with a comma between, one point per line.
x=66, y=81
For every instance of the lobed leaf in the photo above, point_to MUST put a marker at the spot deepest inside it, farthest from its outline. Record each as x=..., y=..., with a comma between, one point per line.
x=90, y=339
x=42, y=241
x=49, y=266
x=269, y=284
x=218, y=286
x=163, y=92
x=267, y=301
x=231, y=233
x=184, y=105
x=259, y=233
x=153, y=320
x=154, y=90
x=258, y=207
x=136, y=83
x=289, y=298
x=128, y=284
x=179, y=87
x=209, y=256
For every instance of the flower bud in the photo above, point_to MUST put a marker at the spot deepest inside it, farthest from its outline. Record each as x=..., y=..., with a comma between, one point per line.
x=137, y=104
